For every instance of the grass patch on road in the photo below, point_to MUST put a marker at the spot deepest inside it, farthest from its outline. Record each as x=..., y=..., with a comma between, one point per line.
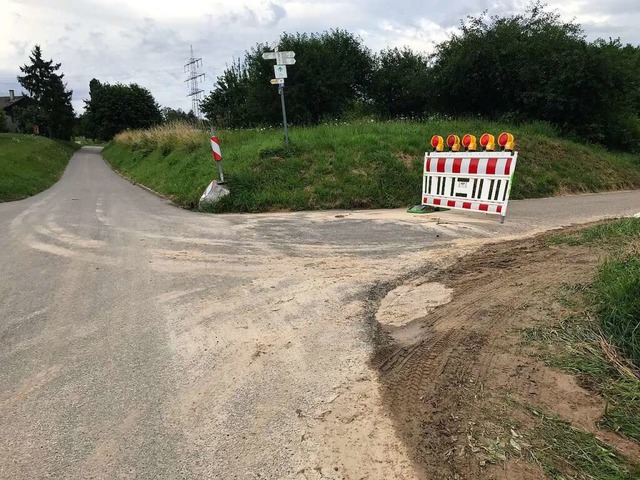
x=30, y=164
x=349, y=165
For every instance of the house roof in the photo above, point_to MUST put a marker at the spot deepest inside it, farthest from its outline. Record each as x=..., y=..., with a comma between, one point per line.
x=6, y=102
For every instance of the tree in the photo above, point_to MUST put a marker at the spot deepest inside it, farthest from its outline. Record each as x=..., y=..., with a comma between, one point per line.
x=30, y=119
x=3, y=121
x=170, y=115
x=400, y=84
x=225, y=105
x=537, y=67
x=114, y=108
x=332, y=73
x=47, y=88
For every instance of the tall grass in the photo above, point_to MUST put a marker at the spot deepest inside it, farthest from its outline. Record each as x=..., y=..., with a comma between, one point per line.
x=360, y=164
x=165, y=138
x=617, y=290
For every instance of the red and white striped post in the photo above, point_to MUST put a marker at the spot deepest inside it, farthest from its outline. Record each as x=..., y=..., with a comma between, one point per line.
x=217, y=154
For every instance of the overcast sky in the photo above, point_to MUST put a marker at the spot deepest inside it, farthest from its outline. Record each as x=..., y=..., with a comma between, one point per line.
x=147, y=41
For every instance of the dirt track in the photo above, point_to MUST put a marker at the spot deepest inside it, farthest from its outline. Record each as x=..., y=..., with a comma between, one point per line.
x=458, y=377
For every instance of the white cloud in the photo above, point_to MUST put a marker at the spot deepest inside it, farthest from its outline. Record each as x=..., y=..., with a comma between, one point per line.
x=147, y=41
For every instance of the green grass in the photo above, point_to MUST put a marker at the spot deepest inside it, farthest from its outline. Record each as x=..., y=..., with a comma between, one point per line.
x=616, y=290
x=617, y=296
x=30, y=164
x=599, y=341
x=356, y=165
x=614, y=234
x=566, y=452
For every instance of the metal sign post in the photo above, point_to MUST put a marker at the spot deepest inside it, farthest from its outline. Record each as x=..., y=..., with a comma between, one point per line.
x=284, y=114
x=280, y=72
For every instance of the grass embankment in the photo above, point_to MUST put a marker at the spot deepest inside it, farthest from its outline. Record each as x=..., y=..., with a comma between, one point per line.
x=599, y=341
x=356, y=165
x=30, y=164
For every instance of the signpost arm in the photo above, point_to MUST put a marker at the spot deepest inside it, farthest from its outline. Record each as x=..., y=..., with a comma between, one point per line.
x=284, y=116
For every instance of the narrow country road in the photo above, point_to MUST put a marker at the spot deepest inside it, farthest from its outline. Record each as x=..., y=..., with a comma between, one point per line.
x=138, y=340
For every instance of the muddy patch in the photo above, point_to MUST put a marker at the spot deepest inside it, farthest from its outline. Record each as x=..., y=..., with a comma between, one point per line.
x=455, y=377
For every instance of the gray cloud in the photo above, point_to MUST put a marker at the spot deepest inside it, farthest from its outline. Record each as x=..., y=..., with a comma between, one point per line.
x=149, y=46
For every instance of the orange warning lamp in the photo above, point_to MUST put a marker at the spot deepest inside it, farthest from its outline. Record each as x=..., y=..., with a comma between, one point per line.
x=469, y=142
x=506, y=141
x=437, y=142
x=488, y=142
x=453, y=142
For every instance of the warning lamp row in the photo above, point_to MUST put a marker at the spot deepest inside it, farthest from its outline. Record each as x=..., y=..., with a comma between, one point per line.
x=470, y=144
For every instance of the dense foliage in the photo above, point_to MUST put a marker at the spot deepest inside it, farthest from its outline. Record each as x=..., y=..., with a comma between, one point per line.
x=114, y=108
x=518, y=68
x=170, y=115
x=332, y=73
x=535, y=67
x=53, y=113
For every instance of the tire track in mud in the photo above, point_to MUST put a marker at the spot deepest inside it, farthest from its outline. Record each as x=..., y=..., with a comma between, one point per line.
x=441, y=385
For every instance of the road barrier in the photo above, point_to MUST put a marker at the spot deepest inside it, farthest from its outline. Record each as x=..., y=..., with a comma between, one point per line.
x=470, y=180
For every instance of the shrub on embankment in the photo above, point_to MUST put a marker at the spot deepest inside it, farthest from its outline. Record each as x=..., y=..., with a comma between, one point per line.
x=30, y=164
x=361, y=164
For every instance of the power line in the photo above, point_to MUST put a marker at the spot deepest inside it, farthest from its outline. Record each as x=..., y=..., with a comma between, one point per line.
x=194, y=78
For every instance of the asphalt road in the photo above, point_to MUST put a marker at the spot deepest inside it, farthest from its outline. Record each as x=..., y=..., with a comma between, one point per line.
x=139, y=340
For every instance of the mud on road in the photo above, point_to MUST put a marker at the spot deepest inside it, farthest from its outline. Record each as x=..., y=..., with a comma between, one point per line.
x=457, y=376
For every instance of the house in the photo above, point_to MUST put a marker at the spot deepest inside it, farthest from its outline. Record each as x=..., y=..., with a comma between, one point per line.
x=9, y=105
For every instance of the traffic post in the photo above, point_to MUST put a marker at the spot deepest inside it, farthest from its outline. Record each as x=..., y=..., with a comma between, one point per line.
x=217, y=154
x=216, y=189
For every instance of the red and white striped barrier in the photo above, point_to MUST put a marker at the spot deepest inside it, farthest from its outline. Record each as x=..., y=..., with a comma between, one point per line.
x=215, y=147
x=475, y=181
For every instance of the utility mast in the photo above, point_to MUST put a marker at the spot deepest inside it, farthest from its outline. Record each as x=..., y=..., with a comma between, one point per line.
x=194, y=78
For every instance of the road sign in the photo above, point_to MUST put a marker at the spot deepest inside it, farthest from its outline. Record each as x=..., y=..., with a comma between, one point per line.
x=285, y=58
x=280, y=71
x=282, y=60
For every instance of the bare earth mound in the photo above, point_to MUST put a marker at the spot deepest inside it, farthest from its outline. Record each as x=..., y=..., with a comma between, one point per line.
x=462, y=388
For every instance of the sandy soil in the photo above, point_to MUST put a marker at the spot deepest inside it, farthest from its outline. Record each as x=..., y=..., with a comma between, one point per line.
x=450, y=378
